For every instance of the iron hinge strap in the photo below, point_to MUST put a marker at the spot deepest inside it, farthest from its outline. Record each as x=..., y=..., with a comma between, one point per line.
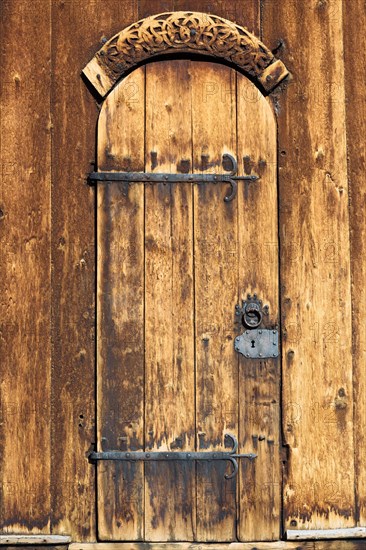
x=141, y=456
x=152, y=177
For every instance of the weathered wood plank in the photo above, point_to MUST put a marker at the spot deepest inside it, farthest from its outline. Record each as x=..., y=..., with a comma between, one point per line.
x=355, y=63
x=242, y=12
x=120, y=311
x=278, y=545
x=216, y=293
x=321, y=534
x=201, y=546
x=25, y=269
x=339, y=545
x=27, y=546
x=315, y=266
x=259, y=381
x=169, y=329
x=77, y=29
x=34, y=540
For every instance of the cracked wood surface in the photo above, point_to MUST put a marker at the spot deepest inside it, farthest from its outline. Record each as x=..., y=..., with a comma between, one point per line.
x=312, y=116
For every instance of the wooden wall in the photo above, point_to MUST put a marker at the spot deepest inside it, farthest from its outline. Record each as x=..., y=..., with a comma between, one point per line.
x=47, y=275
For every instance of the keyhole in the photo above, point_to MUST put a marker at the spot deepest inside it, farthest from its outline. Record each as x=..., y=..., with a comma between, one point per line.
x=253, y=343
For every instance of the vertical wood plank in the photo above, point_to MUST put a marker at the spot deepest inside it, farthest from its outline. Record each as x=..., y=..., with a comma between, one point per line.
x=78, y=28
x=25, y=269
x=259, y=380
x=120, y=311
x=169, y=328
x=216, y=288
x=355, y=63
x=242, y=12
x=315, y=265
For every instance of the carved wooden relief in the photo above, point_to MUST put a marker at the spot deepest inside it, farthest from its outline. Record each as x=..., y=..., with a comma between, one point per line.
x=185, y=32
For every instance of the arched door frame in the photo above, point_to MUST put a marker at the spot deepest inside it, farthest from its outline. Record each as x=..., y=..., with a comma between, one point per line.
x=184, y=32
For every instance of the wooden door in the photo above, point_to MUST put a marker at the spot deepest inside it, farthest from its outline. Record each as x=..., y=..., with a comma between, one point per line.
x=174, y=259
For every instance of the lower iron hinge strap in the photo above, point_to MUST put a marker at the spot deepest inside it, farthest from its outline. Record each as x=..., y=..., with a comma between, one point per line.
x=141, y=456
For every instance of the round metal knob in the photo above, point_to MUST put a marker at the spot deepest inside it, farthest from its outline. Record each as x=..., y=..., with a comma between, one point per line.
x=252, y=315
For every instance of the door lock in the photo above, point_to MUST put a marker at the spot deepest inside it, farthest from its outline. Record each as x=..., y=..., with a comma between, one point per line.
x=255, y=342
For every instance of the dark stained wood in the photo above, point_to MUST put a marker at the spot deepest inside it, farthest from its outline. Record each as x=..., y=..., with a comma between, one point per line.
x=315, y=265
x=25, y=269
x=355, y=63
x=120, y=311
x=311, y=133
x=77, y=30
x=242, y=12
x=170, y=512
x=259, y=381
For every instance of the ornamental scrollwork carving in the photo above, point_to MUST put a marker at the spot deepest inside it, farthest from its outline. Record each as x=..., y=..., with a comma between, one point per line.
x=183, y=32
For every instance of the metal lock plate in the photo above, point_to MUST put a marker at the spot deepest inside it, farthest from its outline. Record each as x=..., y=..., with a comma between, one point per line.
x=258, y=343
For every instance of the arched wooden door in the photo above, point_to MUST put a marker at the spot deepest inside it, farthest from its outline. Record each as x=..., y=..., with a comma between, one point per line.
x=174, y=260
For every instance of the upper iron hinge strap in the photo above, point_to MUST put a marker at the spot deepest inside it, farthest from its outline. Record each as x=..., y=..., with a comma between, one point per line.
x=151, y=177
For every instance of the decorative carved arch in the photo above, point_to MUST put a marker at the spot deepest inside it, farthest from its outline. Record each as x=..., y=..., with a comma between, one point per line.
x=185, y=32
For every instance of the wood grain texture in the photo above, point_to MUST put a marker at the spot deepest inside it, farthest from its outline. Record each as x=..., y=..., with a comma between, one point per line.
x=321, y=534
x=278, y=545
x=170, y=511
x=27, y=546
x=315, y=266
x=120, y=311
x=259, y=381
x=34, y=540
x=216, y=293
x=242, y=12
x=355, y=63
x=77, y=29
x=146, y=39
x=25, y=269
x=190, y=107
x=311, y=114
